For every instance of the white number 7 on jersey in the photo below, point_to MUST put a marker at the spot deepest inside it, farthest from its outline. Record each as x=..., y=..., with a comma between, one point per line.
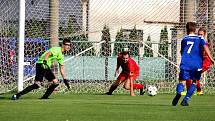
x=191, y=45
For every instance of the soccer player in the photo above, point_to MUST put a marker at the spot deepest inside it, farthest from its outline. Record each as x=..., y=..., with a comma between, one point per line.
x=191, y=63
x=43, y=70
x=130, y=72
x=205, y=66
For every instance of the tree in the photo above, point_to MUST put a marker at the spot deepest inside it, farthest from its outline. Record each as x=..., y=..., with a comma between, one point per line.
x=106, y=46
x=148, y=51
x=163, y=46
x=118, y=46
x=70, y=25
x=79, y=41
x=133, y=46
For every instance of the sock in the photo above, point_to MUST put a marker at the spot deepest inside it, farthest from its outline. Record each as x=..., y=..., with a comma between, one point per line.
x=179, y=88
x=198, y=86
x=190, y=92
x=188, y=84
x=49, y=91
x=112, y=88
x=138, y=86
x=27, y=89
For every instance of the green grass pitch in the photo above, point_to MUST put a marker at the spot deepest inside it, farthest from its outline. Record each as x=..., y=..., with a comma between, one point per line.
x=74, y=107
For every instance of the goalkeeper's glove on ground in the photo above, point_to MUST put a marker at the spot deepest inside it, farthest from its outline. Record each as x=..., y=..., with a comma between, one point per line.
x=45, y=65
x=66, y=82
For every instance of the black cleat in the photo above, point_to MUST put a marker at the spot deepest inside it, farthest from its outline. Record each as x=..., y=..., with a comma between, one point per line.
x=108, y=93
x=184, y=103
x=44, y=98
x=142, y=91
x=175, y=100
x=14, y=97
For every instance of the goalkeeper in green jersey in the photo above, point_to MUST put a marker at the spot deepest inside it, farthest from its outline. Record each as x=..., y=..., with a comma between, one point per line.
x=43, y=70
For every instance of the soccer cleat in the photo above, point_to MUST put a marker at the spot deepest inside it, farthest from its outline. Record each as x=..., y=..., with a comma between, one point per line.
x=183, y=93
x=108, y=93
x=200, y=93
x=44, y=98
x=14, y=97
x=175, y=100
x=184, y=103
x=142, y=91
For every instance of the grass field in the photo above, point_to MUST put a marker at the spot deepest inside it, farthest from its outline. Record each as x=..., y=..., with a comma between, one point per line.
x=73, y=107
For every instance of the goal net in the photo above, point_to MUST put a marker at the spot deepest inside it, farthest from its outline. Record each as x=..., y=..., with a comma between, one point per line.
x=99, y=29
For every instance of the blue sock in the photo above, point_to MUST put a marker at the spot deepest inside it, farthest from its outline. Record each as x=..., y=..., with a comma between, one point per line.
x=190, y=92
x=179, y=88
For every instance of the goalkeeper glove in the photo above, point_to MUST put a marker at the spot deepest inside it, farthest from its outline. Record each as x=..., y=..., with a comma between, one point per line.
x=66, y=82
x=45, y=65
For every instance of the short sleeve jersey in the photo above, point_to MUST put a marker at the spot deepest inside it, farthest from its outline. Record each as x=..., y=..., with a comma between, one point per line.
x=56, y=54
x=130, y=66
x=191, y=53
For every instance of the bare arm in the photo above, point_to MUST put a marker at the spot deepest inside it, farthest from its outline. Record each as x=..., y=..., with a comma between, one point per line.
x=208, y=53
x=131, y=87
x=117, y=67
x=62, y=71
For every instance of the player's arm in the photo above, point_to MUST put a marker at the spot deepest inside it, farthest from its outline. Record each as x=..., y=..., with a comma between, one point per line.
x=131, y=86
x=62, y=71
x=117, y=67
x=45, y=65
x=208, y=53
x=130, y=75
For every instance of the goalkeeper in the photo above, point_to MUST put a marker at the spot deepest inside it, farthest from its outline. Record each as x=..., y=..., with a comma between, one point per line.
x=43, y=70
x=130, y=72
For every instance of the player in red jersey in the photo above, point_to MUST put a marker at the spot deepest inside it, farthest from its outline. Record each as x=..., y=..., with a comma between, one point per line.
x=205, y=66
x=130, y=72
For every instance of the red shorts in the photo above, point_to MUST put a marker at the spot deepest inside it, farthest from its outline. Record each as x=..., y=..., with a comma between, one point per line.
x=123, y=76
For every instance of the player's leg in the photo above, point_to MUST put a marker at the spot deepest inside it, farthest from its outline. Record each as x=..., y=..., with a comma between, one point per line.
x=183, y=75
x=194, y=75
x=135, y=85
x=198, y=86
x=120, y=80
x=138, y=85
x=114, y=86
x=188, y=84
x=189, y=93
x=40, y=72
x=26, y=90
x=51, y=78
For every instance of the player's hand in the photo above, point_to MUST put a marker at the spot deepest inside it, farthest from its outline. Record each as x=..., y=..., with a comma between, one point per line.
x=45, y=65
x=116, y=73
x=133, y=95
x=212, y=61
x=66, y=82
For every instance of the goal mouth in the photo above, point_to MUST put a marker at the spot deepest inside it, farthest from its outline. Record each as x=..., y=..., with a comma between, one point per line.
x=150, y=29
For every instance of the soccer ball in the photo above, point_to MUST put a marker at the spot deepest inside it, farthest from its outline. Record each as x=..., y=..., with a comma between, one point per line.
x=152, y=90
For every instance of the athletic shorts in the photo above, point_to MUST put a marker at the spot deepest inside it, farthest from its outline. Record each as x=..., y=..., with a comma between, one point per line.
x=41, y=72
x=188, y=74
x=123, y=76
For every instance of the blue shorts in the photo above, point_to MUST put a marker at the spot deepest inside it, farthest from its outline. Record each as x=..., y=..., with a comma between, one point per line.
x=189, y=75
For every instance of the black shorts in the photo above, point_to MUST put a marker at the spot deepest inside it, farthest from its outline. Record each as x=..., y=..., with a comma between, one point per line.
x=41, y=72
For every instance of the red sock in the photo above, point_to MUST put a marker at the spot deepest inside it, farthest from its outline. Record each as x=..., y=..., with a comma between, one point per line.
x=188, y=84
x=198, y=85
x=137, y=86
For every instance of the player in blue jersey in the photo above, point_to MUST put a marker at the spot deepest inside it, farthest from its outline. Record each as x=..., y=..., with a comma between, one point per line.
x=191, y=63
